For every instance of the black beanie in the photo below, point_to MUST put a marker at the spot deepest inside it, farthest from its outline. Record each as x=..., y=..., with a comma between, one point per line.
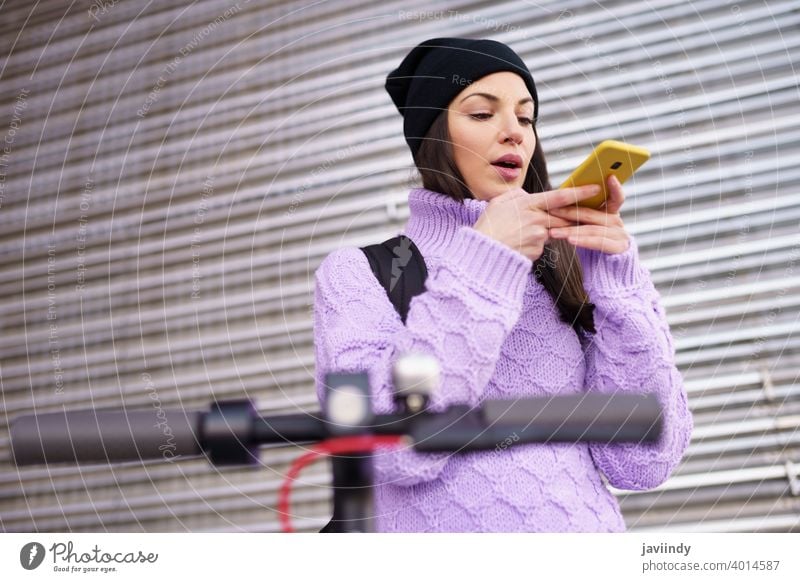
x=437, y=70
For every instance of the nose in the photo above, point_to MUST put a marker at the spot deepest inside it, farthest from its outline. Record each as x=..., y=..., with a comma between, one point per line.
x=510, y=129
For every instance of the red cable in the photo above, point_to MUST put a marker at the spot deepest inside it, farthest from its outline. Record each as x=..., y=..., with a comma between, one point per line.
x=338, y=445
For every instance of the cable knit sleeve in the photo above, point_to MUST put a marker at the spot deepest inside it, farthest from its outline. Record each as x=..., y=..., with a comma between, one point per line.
x=632, y=352
x=470, y=304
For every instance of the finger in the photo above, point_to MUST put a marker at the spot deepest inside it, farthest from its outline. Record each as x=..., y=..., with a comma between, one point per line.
x=509, y=195
x=586, y=215
x=562, y=197
x=557, y=221
x=585, y=229
x=616, y=196
x=599, y=243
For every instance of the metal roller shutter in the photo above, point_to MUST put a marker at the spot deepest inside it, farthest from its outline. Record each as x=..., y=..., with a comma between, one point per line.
x=173, y=174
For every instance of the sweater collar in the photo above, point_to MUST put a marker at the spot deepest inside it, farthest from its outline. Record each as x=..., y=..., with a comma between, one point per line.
x=435, y=217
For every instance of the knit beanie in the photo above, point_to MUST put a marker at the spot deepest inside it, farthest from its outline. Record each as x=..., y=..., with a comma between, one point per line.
x=437, y=70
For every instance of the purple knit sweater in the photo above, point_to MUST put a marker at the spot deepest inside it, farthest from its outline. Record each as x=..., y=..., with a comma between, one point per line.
x=496, y=333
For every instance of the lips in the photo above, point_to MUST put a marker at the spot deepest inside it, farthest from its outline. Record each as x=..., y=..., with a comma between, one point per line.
x=509, y=167
x=508, y=161
x=508, y=174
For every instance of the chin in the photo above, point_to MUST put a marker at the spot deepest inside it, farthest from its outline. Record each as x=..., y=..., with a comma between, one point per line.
x=483, y=196
x=493, y=190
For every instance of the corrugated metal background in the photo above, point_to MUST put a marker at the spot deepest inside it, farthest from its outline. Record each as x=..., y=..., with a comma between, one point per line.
x=173, y=174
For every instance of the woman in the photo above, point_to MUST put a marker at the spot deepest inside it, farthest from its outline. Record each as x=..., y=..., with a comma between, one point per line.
x=511, y=267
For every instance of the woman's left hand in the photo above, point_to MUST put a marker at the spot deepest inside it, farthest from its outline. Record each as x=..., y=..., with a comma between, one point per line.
x=601, y=229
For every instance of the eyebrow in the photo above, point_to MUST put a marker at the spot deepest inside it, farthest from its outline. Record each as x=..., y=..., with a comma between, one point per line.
x=495, y=99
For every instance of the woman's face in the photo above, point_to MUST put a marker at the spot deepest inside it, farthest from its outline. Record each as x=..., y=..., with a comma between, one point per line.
x=491, y=118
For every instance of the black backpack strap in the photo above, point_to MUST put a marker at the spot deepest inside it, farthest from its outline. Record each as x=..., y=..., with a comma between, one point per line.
x=400, y=268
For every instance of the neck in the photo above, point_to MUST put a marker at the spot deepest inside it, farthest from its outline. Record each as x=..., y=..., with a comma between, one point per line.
x=435, y=217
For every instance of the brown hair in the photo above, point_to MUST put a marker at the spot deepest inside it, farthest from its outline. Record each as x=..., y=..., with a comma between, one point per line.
x=559, y=267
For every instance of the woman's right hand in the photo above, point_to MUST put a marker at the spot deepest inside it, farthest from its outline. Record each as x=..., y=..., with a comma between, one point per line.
x=520, y=220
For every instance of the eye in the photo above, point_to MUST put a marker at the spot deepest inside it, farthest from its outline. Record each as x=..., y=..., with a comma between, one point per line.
x=525, y=120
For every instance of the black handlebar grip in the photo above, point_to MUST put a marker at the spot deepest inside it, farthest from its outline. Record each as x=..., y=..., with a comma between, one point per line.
x=618, y=417
x=105, y=436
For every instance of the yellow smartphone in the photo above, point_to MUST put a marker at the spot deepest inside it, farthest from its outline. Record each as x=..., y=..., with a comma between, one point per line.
x=609, y=157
